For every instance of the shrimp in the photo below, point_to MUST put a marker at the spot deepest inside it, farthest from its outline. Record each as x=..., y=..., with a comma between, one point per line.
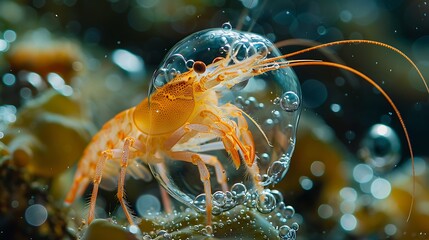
x=180, y=117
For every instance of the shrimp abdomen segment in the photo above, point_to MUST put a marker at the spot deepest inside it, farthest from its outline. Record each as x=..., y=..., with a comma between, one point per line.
x=109, y=140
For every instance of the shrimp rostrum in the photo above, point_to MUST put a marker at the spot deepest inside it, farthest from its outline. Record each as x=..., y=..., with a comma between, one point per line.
x=223, y=103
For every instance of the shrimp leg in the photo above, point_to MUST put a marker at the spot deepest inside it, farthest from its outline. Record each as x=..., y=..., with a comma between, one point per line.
x=198, y=160
x=208, y=159
x=121, y=182
x=111, y=154
x=96, y=182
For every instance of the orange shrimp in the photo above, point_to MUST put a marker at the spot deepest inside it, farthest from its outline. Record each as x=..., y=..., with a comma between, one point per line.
x=185, y=113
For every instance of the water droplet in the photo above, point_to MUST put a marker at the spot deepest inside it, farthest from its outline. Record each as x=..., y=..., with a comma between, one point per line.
x=290, y=101
x=227, y=26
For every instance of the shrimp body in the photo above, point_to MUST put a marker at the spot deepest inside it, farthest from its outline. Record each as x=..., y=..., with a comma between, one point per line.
x=163, y=127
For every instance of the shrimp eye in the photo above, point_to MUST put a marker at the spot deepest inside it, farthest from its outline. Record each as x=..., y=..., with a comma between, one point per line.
x=217, y=59
x=199, y=67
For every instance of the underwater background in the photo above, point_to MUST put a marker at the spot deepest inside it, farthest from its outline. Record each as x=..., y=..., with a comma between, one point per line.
x=63, y=75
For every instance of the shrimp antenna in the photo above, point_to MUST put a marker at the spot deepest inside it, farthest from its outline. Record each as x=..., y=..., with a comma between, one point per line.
x=341, y=66
x=311, y=43
x=265, y=68
x=352, y=42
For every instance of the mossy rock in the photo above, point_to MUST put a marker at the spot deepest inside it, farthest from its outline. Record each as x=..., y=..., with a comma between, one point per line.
x=237, y=223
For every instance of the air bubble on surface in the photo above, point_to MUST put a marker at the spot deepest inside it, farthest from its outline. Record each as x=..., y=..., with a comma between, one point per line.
x=219, y=199
x=289, y=101
x=227, y=26
x=266, y=202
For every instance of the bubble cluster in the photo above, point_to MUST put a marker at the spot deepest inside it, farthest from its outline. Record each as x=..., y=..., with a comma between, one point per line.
x=268, y=202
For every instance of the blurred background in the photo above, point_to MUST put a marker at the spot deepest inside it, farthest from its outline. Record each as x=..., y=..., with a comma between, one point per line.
x=78, y=49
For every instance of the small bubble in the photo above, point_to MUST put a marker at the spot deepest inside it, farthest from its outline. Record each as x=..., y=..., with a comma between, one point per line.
x=200, y=202
x=325, y=211
x=284, y=230
x=266, y=202
x=277, y=170
x=239, y=100
x=265, y=157
x=14, y=204
x=207, y=231
x=275, y=113
x=134, y=229
x=3, y=45
x=317, y=168
x=146, y=203
x=190, y=63
x=9, y=35
x=348, y=222
x=295, y=226
x=335, y=107
x=289, y=212
x=36, y=215
x=278, y=196
x=239, y=189
x=9, y=79
x=380, y=148
x=390, y=229
x=227, y=26
x=306, y=183
x=380, y=188
x=362, y=173
x=290, y=101
x=276, y=101
x=219, y=198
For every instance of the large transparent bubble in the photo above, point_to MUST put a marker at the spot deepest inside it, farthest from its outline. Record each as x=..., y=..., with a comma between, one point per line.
x=269, y=103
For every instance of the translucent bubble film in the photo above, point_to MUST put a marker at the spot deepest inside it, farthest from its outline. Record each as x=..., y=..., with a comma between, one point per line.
x=260, y=110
